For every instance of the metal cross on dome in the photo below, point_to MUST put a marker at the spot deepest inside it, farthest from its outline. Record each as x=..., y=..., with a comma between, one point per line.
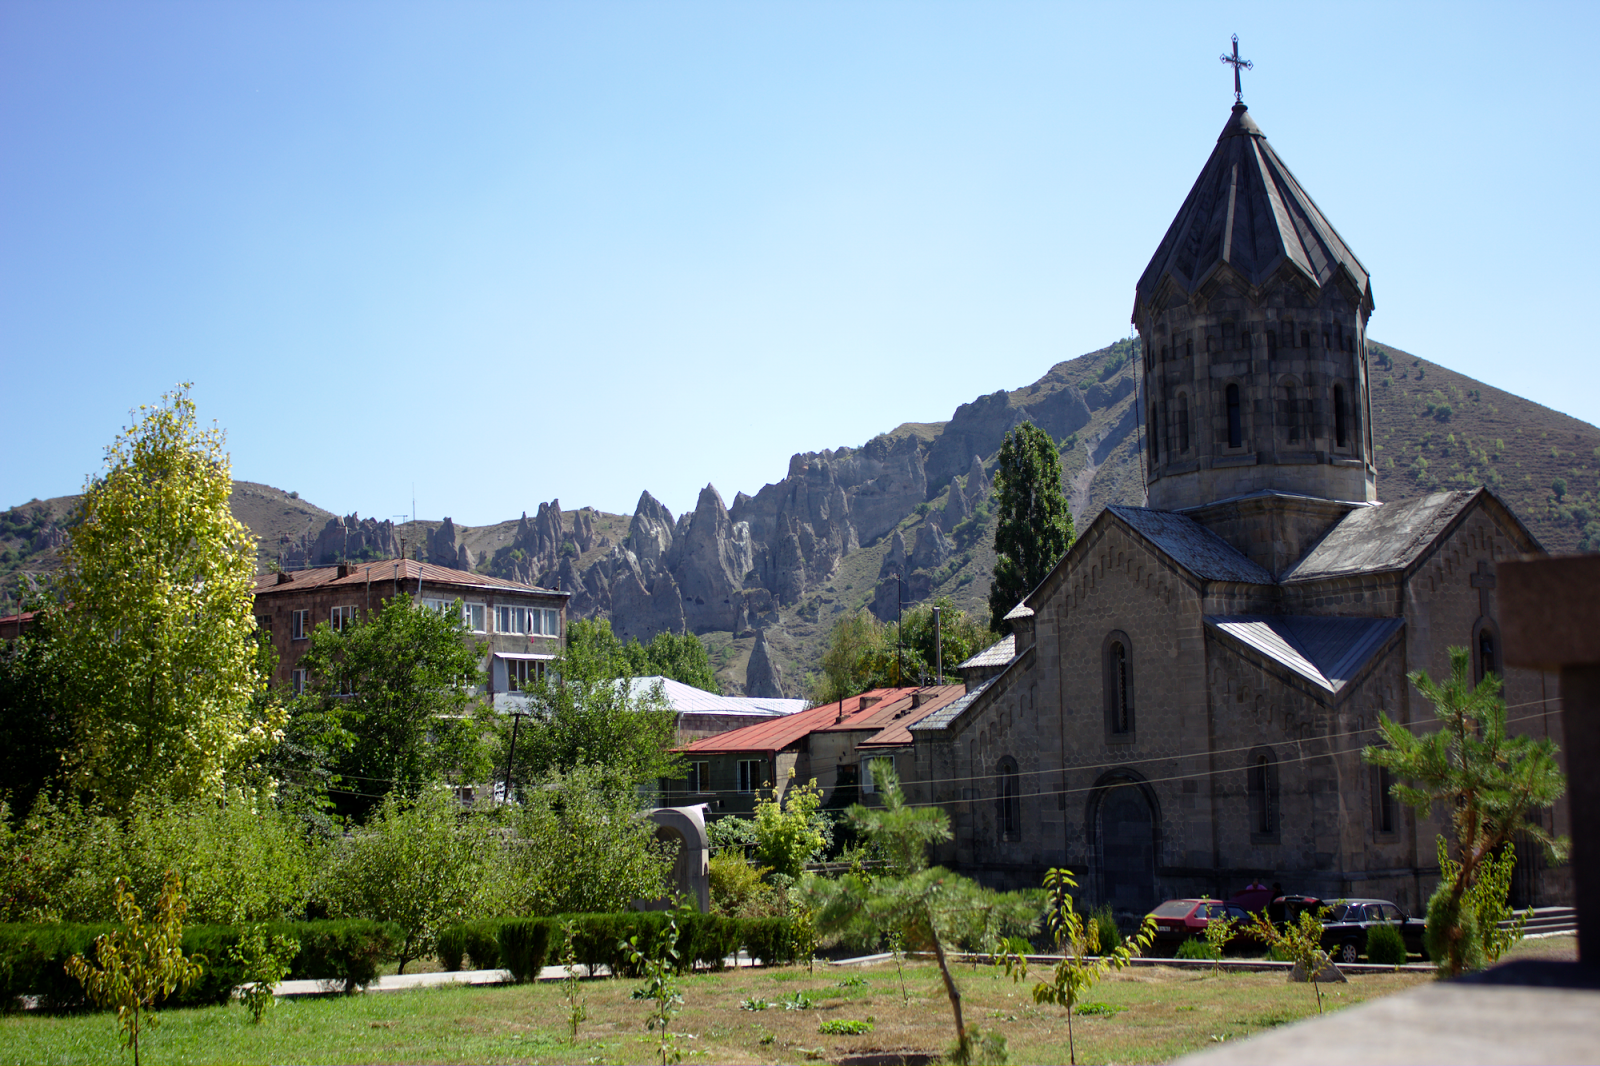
x=1236, y=63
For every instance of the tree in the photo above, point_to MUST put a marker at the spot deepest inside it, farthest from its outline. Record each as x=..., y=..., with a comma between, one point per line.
x=865, y=654
x=1033, y=525
x=140, y=963
x=36, y=728
x=584, y=711
x=593, y=649
x=786, y=834
x=157, y=632
x=1487, y=781
x=390, y=705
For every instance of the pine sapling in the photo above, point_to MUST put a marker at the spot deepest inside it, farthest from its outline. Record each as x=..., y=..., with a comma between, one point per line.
x=571, y=989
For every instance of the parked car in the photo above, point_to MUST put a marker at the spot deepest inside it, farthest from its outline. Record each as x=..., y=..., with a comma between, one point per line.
x=1344, y=927
x=1286, y=909
x=1178, y=920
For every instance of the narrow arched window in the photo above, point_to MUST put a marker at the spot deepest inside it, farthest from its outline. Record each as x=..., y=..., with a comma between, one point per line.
x=1305, y=338
x=1339, y=432
x=1183, y=422
x=1272, y=343
x=1010, y=797
x=1154, y=454
x=1263, y=786
x=1486, y=660
x=1163, y=439
x=1119, y=686
x=1235, y=419
x=1188, y=348
x=1383, y=807
x=1291, y=410
x=1244, y=340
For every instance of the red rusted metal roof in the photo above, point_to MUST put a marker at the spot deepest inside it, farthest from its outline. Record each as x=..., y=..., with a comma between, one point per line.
x=390, y=570
x=896, y=731
x=779, y=733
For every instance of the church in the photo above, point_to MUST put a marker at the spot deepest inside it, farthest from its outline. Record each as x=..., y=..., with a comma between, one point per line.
x=1181, y=706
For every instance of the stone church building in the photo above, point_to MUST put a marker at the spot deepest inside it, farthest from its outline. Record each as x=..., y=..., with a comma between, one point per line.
x=1182, y=705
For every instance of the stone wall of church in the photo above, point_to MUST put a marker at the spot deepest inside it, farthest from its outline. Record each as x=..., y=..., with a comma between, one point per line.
x=1274, y=532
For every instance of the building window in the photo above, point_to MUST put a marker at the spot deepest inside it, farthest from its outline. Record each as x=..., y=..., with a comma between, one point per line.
x=534, y=621
x=341, y=617
x=1118, y=683
x=1235, y=419
x=299, y=625
x=473, y=617
x=1154, y=454
x=1244, y=340
x=1485, y=652
x=1263, y=771
x=522, y=673
x=1010, y=813
x=1188, y=348
x=1383, y=808
x=750, y=774
x=699, y=777
x=1183, y=422
x=264, y=627
x=297, y=681
x=1305, y=338
x=867, y=787
x=1339, y=430
x=1272, y=343
x=1291, y=410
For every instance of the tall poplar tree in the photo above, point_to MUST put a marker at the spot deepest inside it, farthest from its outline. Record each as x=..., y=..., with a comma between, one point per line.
x=1033, y=526
x=156, y=629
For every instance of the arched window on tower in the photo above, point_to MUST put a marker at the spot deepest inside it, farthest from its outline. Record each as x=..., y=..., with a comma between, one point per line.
x=1155, y=454
x=1244, y=340
x=1183, y=422
x=1272, y=343
x=1339, y=430
x=1010, y=800
x=1188, y=348
x=1262, y=769
x=1305, y=338
x=1487, y=663
x=1293, y=429
x=1235, y=419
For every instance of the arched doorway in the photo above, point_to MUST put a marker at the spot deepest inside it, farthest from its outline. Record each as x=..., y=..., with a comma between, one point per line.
x=1125, y=830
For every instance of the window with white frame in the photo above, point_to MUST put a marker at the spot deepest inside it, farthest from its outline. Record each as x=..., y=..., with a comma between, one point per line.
x=297, y=680
x=750, y=773
x=534, y=621
x=867, y=787
x=341, y=617
x=299, y=625
x=520, y=673
x=474, y=617
x=552, y=622
x=510, y=619
x=698, y=778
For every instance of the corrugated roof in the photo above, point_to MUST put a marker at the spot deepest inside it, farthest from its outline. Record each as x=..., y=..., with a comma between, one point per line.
x=947, y=714
x=1326, y=651
x=1386, y=537
x=1246, y=210
x=896, y=731
x=690, y=700
x=1192, y=546
x=999, y=653
x=390, y=570
x=779, y=733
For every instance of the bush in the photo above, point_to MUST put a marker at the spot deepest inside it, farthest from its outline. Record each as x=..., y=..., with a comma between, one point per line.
x=737, y=890
x=479, y=941
x=33, y=959
x=1385, y=946
x=1110, y=935
x=524, y=945
x=1198, y=949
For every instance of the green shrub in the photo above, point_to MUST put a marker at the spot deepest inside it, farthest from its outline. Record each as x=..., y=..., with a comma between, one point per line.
x=1110, y=935
x=1385, y=946
x=1198, y=949
x=524, y=945
x=844, y=1027
x=479, y=941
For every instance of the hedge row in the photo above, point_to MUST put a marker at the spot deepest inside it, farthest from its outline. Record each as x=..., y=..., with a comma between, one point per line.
x=346, y=953
x=526, y=945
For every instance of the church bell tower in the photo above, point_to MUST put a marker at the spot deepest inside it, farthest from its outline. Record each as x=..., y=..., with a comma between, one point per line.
x=1252, y=317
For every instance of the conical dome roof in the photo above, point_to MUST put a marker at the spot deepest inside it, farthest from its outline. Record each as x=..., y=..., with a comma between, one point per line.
x=1246, y=211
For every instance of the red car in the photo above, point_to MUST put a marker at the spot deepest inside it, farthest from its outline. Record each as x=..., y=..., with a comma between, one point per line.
x=1178, y=920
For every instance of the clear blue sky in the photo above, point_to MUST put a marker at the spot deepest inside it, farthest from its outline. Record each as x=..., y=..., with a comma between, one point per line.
x=509, y=252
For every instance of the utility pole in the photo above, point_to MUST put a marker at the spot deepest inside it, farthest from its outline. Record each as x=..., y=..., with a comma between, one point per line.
x=938, y=649
x=516, y=720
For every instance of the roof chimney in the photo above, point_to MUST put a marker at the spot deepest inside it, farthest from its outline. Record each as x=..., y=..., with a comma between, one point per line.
x=917, y=698
x=284, y=577
x=346, y=569
x=868, y=701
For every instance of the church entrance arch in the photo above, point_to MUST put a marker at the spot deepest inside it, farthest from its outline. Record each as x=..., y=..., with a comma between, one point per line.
x=1125, y=834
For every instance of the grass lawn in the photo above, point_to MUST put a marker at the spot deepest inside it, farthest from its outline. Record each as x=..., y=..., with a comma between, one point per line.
x=1153, y=1014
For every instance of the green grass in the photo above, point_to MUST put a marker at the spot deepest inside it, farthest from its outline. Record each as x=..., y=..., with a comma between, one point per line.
x=1150, y=1015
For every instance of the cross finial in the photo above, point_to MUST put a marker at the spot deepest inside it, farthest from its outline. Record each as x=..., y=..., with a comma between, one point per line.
x=1237, y=64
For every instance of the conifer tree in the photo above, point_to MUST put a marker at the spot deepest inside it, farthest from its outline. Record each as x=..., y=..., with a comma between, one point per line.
x=1033, y=526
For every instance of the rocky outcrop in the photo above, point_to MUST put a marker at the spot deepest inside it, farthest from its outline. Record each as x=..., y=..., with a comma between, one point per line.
x=977, y=428
x=978, y=487
x=932, y=549
x=762, y=676
x=650, y=532
x=709, y=562
x=350, y=537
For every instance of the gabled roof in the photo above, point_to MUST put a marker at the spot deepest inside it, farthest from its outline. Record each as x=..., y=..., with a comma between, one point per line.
x=690, y=700
x=390, y=570
x=1192, y=546
x=893, y=721
x=1389, y=537
x=1328, y=652
x=999, y=653
x=1247, y=212
x=944, y=716
x=779, y=733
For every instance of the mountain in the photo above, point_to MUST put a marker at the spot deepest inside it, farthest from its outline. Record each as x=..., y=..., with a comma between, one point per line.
x=830, y=536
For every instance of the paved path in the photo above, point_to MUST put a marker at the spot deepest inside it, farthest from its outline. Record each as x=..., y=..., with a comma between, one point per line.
x=406, y=981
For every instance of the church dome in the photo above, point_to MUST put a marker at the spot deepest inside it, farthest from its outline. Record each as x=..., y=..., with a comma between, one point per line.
x=1248, y=213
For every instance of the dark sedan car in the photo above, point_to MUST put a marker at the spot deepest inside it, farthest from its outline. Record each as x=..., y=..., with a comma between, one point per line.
x=1178, y=920
x=1344, y=927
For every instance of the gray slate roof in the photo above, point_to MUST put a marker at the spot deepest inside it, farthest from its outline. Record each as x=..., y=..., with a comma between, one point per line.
x=1193, y=546
x=1328, y=652
x=999, y=653
x=1247, y=210
x=1388, y=537
x=942, y=718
